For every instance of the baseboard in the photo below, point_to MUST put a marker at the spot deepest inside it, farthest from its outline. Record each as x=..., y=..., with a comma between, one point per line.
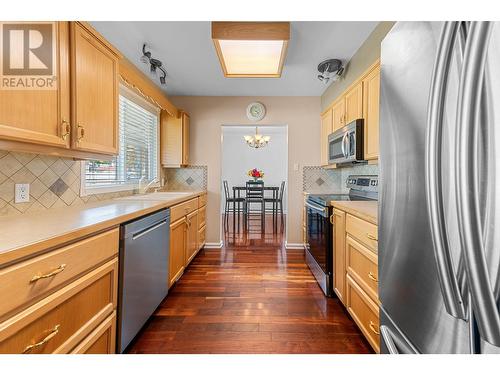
x=213, y=245
x=294, y=245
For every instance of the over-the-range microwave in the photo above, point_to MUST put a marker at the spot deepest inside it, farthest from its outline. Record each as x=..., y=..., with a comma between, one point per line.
x=345, y=145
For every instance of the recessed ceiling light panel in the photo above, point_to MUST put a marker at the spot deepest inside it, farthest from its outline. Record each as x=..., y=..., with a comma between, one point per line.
x=251, y=49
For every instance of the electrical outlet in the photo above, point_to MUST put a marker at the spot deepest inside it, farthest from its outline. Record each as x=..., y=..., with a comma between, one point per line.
x=22, y=193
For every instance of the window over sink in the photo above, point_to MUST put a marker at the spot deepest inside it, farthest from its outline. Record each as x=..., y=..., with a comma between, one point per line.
x=138, y=156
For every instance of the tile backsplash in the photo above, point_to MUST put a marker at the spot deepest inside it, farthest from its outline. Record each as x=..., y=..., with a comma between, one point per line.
x=319, y=180
x=54, y=182
x=188, y=178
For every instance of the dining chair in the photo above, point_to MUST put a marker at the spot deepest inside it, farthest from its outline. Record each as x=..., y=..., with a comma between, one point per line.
x=280, y=200
x=255, y=194
x=231, y=200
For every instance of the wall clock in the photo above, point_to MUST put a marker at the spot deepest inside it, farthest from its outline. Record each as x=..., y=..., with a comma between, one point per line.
x=256, y=111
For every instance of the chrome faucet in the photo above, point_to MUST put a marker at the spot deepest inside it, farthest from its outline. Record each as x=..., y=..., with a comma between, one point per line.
x=144, y=189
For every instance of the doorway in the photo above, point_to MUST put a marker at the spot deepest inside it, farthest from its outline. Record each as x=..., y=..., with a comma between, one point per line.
x=245, y=217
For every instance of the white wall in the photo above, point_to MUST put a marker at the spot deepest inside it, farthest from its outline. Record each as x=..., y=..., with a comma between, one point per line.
x=238, y=157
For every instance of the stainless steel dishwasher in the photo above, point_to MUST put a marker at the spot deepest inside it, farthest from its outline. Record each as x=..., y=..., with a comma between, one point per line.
x=144, y=264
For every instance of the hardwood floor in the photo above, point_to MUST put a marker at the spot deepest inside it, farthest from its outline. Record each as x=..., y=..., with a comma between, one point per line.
x=252, y=296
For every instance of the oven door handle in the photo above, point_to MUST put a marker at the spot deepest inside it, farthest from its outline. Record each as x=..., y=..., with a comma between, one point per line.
x=315, y=207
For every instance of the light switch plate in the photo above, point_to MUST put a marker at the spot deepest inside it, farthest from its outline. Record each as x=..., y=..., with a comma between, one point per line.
x=22, y=193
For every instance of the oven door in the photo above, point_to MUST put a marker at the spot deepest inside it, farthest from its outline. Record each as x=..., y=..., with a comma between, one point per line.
x=318, y=245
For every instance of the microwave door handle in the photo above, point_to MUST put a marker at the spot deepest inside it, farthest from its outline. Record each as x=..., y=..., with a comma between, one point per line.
x=450, y=288
x=344, y=151
x=470, y=228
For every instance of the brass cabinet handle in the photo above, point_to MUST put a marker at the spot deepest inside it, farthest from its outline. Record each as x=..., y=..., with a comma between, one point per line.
x=53, y=332
x=374, y=329
x=65, y=129
x=331, y=219
x=80, y=132
x=50, y=274
x=373, y=277
x=371, y=237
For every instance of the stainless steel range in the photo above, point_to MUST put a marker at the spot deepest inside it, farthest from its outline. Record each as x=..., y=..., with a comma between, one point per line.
x=319, y=228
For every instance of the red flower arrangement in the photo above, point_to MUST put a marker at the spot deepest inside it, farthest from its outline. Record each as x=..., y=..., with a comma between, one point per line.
x=255, y=173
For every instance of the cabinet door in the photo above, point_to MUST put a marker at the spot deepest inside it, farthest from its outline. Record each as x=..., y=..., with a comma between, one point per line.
x=40, y=116
x=177, y=249
x=192, y=236
x=338, y=114
x=354, y=103
x=371, y=88
x=326, y=129
x=95, y=93
x=185, y=138
x=171, y=140
x=101, y=341
x=339, y=254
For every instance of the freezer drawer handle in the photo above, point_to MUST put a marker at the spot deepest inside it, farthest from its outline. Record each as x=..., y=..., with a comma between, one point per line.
x=50, y=274
x=471, y=232
x=374, y=329
x=450, y=289
x=53, y=332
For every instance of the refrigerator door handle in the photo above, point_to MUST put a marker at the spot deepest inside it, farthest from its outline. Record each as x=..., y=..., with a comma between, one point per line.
x=471, y=232
x=395, y=344
x=389, y=342
x=450, y=288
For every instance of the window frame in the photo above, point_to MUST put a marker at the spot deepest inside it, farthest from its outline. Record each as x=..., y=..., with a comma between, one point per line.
x=133, y=96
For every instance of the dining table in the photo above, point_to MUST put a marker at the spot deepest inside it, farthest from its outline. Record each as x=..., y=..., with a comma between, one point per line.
x=275, y=193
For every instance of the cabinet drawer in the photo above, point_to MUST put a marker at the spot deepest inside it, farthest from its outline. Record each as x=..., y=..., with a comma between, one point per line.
x=201, y=237
x=202, y=216
x=24, y=283
x=362, y=265
x=102, y=340
x=363, y=231
x=365, y=313
x=59, y=322
x=202, y=200
x=182, y=209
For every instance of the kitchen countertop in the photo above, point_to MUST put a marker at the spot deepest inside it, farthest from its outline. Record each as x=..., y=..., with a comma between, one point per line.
x=366, y=210
x=24, y=235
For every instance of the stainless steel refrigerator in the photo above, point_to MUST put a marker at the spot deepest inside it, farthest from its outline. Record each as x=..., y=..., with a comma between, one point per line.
x=439, y=237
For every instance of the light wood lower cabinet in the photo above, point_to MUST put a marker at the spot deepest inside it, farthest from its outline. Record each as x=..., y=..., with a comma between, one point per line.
x=339, y=271
x=362, y=265
x=59, y=322
x=101, y=341
x=178, y=242
x=192, y=237
x=364, y=311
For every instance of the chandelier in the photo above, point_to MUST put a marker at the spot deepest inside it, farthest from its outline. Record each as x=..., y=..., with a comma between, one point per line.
x=257, y=140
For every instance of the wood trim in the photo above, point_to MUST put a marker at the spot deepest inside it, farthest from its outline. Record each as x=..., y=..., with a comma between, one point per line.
x=134, y=77
x=251, y=30
x=31, y=148
x=86, y=25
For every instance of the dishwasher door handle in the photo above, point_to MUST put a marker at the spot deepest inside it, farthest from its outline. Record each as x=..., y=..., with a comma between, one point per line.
x=143, y=232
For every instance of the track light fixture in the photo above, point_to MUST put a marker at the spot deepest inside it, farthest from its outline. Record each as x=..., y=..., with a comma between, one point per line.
x=155, y=65
x=330, y=69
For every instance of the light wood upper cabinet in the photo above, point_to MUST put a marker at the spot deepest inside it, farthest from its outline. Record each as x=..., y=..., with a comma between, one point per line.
x=41, y=116
x=175, y=139
x=371, y=88
x=326, y=129
x=338, y=114
x=339, y=272
x=354, y=103
x=94, y=92
x=177, y=249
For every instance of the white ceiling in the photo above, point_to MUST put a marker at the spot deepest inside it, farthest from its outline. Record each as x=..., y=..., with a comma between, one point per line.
x=187, y=51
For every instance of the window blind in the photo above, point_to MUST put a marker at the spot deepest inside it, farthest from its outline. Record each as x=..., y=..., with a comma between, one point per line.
x=138, y=153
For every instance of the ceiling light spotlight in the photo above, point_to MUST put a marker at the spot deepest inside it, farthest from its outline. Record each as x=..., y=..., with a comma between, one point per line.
x=330, y=69
x=154, y=65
